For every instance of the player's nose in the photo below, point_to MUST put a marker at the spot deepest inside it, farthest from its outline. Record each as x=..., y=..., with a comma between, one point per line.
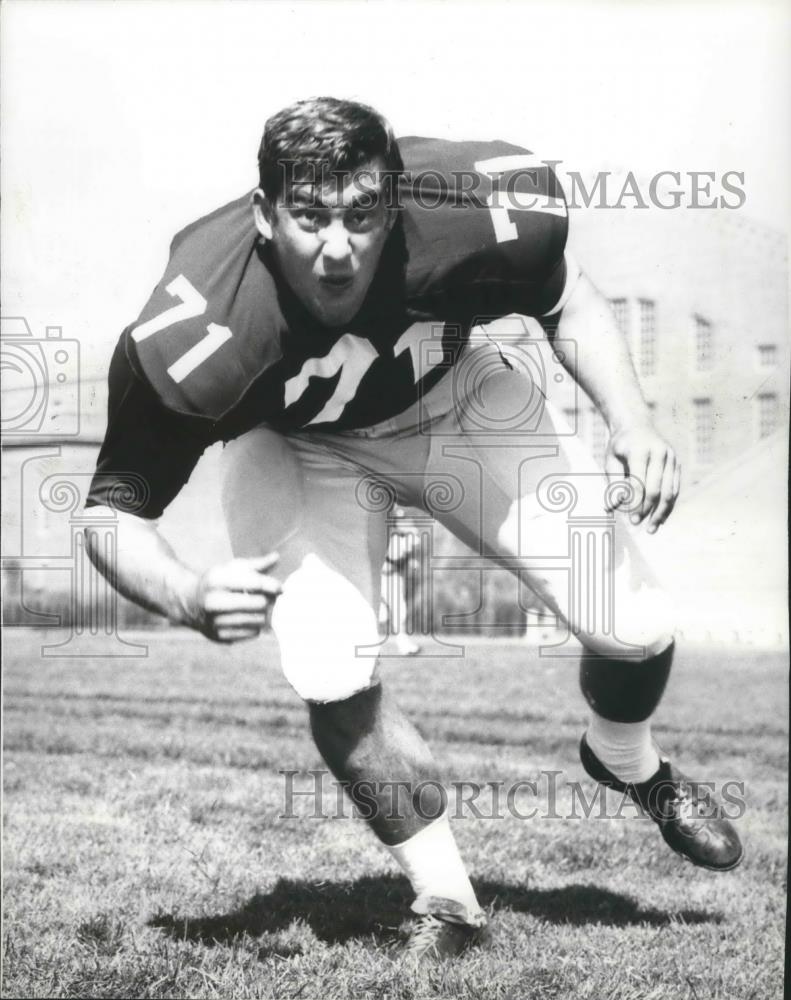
x=336, y=244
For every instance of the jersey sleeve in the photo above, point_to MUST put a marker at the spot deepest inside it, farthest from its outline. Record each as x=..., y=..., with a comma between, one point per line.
x=486, y=225
x=148, y=452
x=212, y=325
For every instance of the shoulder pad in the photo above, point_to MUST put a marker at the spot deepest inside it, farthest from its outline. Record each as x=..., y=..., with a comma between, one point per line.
x=485, y=224
x=212, y=324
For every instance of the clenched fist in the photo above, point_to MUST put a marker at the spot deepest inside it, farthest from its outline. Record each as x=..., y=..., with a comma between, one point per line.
x=231, y=601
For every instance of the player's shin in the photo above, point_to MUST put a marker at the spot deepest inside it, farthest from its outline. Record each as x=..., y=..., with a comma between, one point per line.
x=388, y=772
x=623, y=695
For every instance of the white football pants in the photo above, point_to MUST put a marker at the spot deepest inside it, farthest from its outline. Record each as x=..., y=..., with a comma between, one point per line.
x=489, y=458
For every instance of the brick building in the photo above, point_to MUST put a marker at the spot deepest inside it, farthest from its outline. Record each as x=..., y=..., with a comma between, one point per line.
x=702, y=297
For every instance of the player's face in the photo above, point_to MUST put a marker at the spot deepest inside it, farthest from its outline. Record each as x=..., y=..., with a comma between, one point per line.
x=328, y=240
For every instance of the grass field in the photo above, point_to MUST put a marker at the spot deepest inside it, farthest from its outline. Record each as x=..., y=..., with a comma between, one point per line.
x=145, y=857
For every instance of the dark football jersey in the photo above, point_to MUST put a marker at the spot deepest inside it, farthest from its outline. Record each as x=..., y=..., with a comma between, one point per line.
x=223, y=345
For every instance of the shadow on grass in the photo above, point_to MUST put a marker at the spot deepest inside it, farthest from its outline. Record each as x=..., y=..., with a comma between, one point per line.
x=377, y=906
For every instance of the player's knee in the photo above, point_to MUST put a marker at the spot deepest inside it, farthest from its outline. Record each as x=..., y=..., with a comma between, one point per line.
x=643, y=619
x=320, y=620
x=642, y=624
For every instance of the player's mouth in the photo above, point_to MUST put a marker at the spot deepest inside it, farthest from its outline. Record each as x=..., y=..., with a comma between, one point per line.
x=337, y=285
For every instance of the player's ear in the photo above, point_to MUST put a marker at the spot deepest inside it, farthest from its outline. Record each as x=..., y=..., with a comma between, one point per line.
x=262, y=213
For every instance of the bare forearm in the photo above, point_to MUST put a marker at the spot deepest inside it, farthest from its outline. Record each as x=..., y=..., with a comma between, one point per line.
x=601, y=363
x=145, y=569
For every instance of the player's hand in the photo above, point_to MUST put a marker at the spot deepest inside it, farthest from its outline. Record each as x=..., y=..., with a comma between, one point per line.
x=642, y=454
x=231, y=600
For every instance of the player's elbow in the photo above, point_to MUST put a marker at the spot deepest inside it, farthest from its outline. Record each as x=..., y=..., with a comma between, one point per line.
x=584, y=301
x=111, y=531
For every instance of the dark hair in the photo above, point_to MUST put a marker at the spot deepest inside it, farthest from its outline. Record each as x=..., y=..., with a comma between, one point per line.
x=321, y=137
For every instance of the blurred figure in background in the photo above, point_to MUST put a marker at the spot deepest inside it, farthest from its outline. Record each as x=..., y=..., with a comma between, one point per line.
x=400, y=582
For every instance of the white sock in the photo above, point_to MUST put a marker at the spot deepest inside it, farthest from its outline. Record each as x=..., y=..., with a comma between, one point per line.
x=625, y=748
x=431, y=861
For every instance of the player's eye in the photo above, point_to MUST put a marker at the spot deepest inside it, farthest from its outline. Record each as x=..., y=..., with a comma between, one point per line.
x=308, y=218
x=360, y=219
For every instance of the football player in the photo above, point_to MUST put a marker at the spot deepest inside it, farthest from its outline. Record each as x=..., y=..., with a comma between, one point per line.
x=332, y=329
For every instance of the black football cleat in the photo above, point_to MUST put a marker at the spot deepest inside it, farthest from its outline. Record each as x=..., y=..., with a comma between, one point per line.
x=688, y=816
x=446, y=931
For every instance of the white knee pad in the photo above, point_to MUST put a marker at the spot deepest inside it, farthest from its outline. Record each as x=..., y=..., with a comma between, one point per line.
x=319, y=620
x=619, y=613
x=642, y=619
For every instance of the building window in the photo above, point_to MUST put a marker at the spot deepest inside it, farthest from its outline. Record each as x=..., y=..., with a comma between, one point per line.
x=647, y=346
x=704, y=351
x=767, y=355
x=620, y=308
x=598, y=432
x=703, y=430
x=767, y=414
